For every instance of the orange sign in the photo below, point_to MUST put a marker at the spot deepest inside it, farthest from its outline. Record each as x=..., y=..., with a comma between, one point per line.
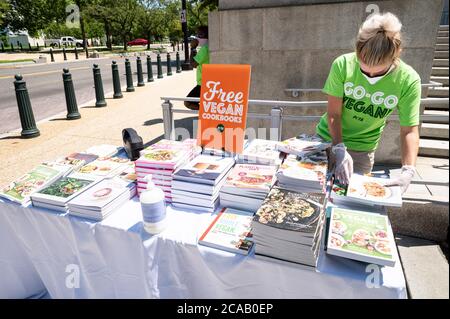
x=223, y=106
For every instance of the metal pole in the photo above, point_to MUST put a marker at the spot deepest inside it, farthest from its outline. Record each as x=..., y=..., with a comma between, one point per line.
x=178, y=63
x=64, y=54
x=275, y=120
x=129, y=76
x=71, y=100
x=76, y=53
x=186, y=65
x=116, y=80
x=158, y=62
x=140, y=75
x=169, y=65
x=3, y=47
x=99, y=94
x=52, y=57
x=27, y=121
x=168, y=120
x=149, y=69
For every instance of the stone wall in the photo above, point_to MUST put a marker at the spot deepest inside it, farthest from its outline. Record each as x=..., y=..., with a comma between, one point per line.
x=292, y=46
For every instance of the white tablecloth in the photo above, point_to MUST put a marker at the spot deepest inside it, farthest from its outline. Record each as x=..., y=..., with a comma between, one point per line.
x=39, y=250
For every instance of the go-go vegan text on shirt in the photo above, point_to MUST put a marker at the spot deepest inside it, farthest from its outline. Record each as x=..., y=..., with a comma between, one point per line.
x=223, y=106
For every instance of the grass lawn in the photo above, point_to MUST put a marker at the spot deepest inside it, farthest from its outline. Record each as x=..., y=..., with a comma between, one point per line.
x=16, y=61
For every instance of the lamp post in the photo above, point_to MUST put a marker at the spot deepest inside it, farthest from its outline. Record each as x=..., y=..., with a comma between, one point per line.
x=186, y=64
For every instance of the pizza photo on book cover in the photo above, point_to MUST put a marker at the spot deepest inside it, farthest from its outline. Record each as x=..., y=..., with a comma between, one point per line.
x=290, y=210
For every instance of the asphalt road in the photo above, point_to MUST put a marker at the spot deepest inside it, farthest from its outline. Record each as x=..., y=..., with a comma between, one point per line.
x=46, y=90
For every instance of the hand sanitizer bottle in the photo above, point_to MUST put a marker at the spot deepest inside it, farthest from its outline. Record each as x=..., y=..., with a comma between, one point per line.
x=153, y=208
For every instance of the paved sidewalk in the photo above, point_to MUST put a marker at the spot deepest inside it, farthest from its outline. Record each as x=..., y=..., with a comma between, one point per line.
x=140, y=110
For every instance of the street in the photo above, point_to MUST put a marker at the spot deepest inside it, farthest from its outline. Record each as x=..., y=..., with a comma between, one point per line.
x=46, y=90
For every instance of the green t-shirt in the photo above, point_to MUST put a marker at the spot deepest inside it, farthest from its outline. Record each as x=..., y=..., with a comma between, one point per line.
x=366, y=106
x=201, y=58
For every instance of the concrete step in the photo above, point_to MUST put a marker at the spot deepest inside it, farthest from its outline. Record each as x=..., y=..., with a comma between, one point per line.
x=442, y=47
x=425, y=267
x=442, y=40
x=440, y=79
x=438, y=92
x=440, y=62
x=440, y=54
x=442, y=120
x=442, y=33
x=443, y=27
x=434, y=130
x=439, y=71
x=429, y=147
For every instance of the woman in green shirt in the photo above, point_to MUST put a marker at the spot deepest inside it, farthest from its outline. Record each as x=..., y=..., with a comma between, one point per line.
x=363, y=89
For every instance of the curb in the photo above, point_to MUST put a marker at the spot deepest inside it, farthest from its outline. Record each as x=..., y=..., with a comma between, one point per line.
x=89, y=103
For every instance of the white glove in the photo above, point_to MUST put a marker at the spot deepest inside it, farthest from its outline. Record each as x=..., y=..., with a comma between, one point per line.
x=404, y=179
x=343, y=163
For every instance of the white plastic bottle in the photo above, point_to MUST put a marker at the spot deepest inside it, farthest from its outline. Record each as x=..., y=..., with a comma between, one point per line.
x=153, y=208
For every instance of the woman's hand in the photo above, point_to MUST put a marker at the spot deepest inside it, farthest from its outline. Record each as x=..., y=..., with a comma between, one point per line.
x=343, y=163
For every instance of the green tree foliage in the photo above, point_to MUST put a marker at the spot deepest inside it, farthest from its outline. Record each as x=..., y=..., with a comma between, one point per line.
x=34, y=15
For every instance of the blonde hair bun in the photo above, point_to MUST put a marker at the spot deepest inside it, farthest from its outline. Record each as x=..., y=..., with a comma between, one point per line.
x=379, y=39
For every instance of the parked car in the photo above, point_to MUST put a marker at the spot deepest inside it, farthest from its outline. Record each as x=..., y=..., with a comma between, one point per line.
x=64, y=41
x=137, y=42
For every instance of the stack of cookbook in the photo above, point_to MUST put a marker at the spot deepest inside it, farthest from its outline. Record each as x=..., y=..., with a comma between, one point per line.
x=260, y=152
x=56, y=195
x=303, y=175
x=22, y=188
x=161, y=160
x=303, y=145
x=196, y=185
x=246, y=186
x=288, y=227
x=99, y=201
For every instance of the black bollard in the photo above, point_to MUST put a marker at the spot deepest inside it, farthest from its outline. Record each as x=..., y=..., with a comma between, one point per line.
x=140, y=76
x=29, y=128
x=129, y=76
x=45, y=44
x=76, y=53
x=178, y=63
x=38, y=48
x=149, y=69
x=52, y=57
x=71, y=100
x=158, y=63
x=99, y=94
x=64, y=54
x=12, y=47
x=21, y=47
x=3, y=47
x=178, y=46
x=169, y=65
x=116, y=80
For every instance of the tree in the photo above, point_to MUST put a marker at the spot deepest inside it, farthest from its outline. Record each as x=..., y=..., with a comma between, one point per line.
x=34, y=15
x=124, y=19
x=103, y=12
x=4, y=8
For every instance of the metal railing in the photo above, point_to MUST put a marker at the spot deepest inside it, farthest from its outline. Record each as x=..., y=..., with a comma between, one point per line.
x=276, y=115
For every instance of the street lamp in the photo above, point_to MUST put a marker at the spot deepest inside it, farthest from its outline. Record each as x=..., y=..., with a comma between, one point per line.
x=186, y=64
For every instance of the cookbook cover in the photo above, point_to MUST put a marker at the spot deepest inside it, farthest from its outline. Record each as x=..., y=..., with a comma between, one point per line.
x=20, y=190
x=291, y=210
x=229, y=231
x=206, y=167
x=372, y=190
x=251, y=176
x=361, y=236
